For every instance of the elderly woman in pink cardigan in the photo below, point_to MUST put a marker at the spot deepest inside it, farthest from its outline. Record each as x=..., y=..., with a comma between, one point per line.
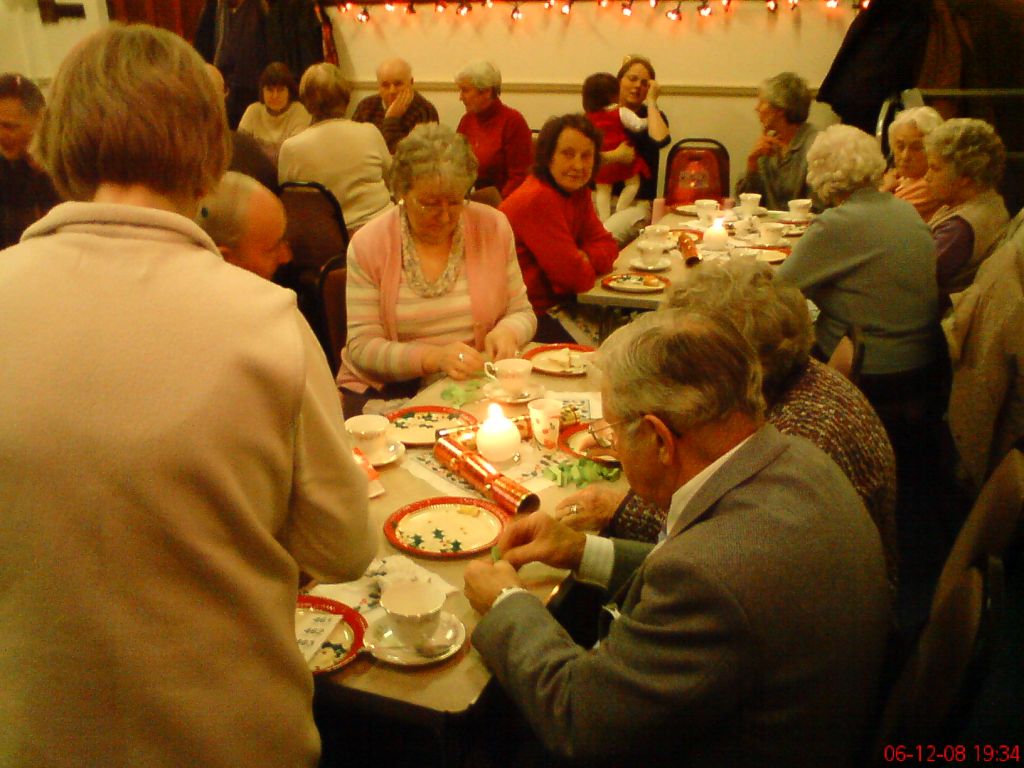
x=433, y=287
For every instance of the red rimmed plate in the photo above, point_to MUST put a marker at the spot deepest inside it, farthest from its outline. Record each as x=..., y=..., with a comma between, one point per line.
x=559, y=359
x=571, y=440
x=630, y=283
x=343, y=642
x=417, y=424
x=446, y=527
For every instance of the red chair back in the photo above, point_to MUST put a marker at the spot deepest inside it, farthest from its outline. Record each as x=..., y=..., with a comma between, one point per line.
x=696, y=169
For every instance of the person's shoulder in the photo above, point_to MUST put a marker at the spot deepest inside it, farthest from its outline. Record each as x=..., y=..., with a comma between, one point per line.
x=532, y=194
x=365, y=108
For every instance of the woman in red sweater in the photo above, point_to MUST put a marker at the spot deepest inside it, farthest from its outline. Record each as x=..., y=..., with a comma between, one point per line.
x=561, y=244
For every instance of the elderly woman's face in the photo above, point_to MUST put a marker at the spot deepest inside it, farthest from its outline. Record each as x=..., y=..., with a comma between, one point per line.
x=944, y=185
x=573, y=162
x=433, y=206
x=771, y=117
x=276, y=97
x=908, y=153
x=634, y=85
x=475, y=99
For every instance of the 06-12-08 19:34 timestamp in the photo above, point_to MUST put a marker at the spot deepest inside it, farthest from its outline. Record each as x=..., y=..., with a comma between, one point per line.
x=952, y=754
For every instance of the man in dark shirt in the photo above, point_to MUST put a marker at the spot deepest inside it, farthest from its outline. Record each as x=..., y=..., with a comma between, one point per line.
x=26, y=192
x=396, y=108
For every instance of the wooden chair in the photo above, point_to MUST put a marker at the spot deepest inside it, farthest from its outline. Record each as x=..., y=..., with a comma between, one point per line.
x=316, y=233
x=331, y=286
x=848, y=356
x=696, y=169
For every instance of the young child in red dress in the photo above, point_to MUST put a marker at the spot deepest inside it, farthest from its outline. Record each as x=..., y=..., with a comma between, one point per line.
x=600, y=95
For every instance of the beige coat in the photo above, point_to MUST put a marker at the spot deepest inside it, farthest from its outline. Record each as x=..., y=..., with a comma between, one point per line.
x=171, y=452
x=985, y=333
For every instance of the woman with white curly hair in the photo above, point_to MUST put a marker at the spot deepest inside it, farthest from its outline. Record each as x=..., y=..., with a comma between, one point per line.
x=868, y=260
x=966, y=159
x=909, y=162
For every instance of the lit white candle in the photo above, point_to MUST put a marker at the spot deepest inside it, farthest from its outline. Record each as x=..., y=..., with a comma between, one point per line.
x=497, y=439
x=715, y=236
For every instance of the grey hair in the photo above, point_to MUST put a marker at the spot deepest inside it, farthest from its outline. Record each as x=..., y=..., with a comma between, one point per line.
x=324, y=91
x=482, y=75
x=925, y=119
x=435, y=150
x=771, y=315
x=222, y=213
x=790, y=93
x=841, y=160
x=972, y=147
x=688, y=367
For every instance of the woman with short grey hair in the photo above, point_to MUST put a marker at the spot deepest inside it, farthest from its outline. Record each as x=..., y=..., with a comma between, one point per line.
x=498, y=134
x=905, y=179
x=966, y=159
x=350, y=159
x=777, y=165
x=868, y=260
x=433, y=285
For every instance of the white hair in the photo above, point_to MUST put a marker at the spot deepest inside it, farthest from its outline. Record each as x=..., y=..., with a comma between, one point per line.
x=482, y=75
x=841, y=160
x=972, y=147
x=925, y=119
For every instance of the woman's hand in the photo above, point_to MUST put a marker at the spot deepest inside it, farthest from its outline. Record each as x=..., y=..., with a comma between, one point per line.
x=500, y=343
x=652, y=94
x=766, y=145
x=458, y=360
x=621, y=154
x=890, y=180
x=591, y=509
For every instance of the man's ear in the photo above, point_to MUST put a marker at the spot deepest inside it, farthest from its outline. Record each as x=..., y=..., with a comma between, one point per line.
x=665, y=437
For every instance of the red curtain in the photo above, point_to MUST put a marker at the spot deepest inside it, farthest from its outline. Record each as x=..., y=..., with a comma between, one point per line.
x=179, y=16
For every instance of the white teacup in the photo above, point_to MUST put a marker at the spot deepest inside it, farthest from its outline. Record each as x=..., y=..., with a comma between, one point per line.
x=771, y=232
x=369, y=434
x=800, y=209
x=705, y=210
x=545, y=421
x=743, y=227
x=656, y=231
x=749, y=203
x=512, y=374
x=653, y=250
x=414, y=608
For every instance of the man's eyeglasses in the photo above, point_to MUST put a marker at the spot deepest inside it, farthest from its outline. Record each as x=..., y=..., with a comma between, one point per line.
x=603, y=436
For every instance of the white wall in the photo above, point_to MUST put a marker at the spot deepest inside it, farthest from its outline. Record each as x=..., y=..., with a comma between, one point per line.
x=708, y=67
x=35, y=49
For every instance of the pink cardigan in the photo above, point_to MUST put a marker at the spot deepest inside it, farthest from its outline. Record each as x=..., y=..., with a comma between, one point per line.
x=487, y=239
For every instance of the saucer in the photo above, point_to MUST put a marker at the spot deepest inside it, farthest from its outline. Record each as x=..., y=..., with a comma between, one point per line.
x=446, y=642
x=661, y=264
x=494, y=391
x=395, y=451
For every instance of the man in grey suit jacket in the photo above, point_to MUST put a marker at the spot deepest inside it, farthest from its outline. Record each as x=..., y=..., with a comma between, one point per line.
x=752, y=635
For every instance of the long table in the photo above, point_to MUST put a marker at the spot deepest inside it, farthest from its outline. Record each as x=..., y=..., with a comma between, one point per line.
x=610, y=300
x=432, y=696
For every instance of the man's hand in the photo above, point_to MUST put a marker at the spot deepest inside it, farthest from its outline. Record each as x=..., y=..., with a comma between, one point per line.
x=539, y=538
x=500, y=343
x=766, y=145
x=591, y=509
x=401, y=102
x=484, y=581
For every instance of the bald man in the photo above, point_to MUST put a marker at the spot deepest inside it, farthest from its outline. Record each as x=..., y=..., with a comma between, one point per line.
x=396, y=108
x=247, y=223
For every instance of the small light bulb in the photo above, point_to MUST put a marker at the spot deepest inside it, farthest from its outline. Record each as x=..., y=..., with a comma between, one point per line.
x=627, y=7
x=389, y=7
x=440, y=6
x=772, y=5
x=567, y=8
x=410, y=8
x=516, y=13
x=704, y=9
x=363, y=16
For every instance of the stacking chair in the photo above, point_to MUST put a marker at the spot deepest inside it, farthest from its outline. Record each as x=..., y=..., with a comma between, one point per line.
x=936, y=693
x=848, y=356
x=331, y=286
x=316, y=233
x=696, y=169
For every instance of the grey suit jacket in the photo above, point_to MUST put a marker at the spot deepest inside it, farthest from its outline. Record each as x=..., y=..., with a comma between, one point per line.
x=752, y=637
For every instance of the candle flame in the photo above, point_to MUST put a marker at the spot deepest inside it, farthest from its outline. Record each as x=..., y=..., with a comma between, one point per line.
x=494, y=413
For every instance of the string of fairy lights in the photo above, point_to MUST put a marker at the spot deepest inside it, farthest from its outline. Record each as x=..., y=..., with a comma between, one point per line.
x=675, y=11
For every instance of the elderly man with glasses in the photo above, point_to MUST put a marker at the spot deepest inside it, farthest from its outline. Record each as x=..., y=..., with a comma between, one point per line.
x=752, y=633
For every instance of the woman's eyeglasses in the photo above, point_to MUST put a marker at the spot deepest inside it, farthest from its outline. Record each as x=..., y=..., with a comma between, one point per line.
x=437, y=207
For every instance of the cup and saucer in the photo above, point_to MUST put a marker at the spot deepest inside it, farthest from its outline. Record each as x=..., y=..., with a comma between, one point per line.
x=510, y=381
x=415, y=630
x=495, y=391
x=371, y=435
